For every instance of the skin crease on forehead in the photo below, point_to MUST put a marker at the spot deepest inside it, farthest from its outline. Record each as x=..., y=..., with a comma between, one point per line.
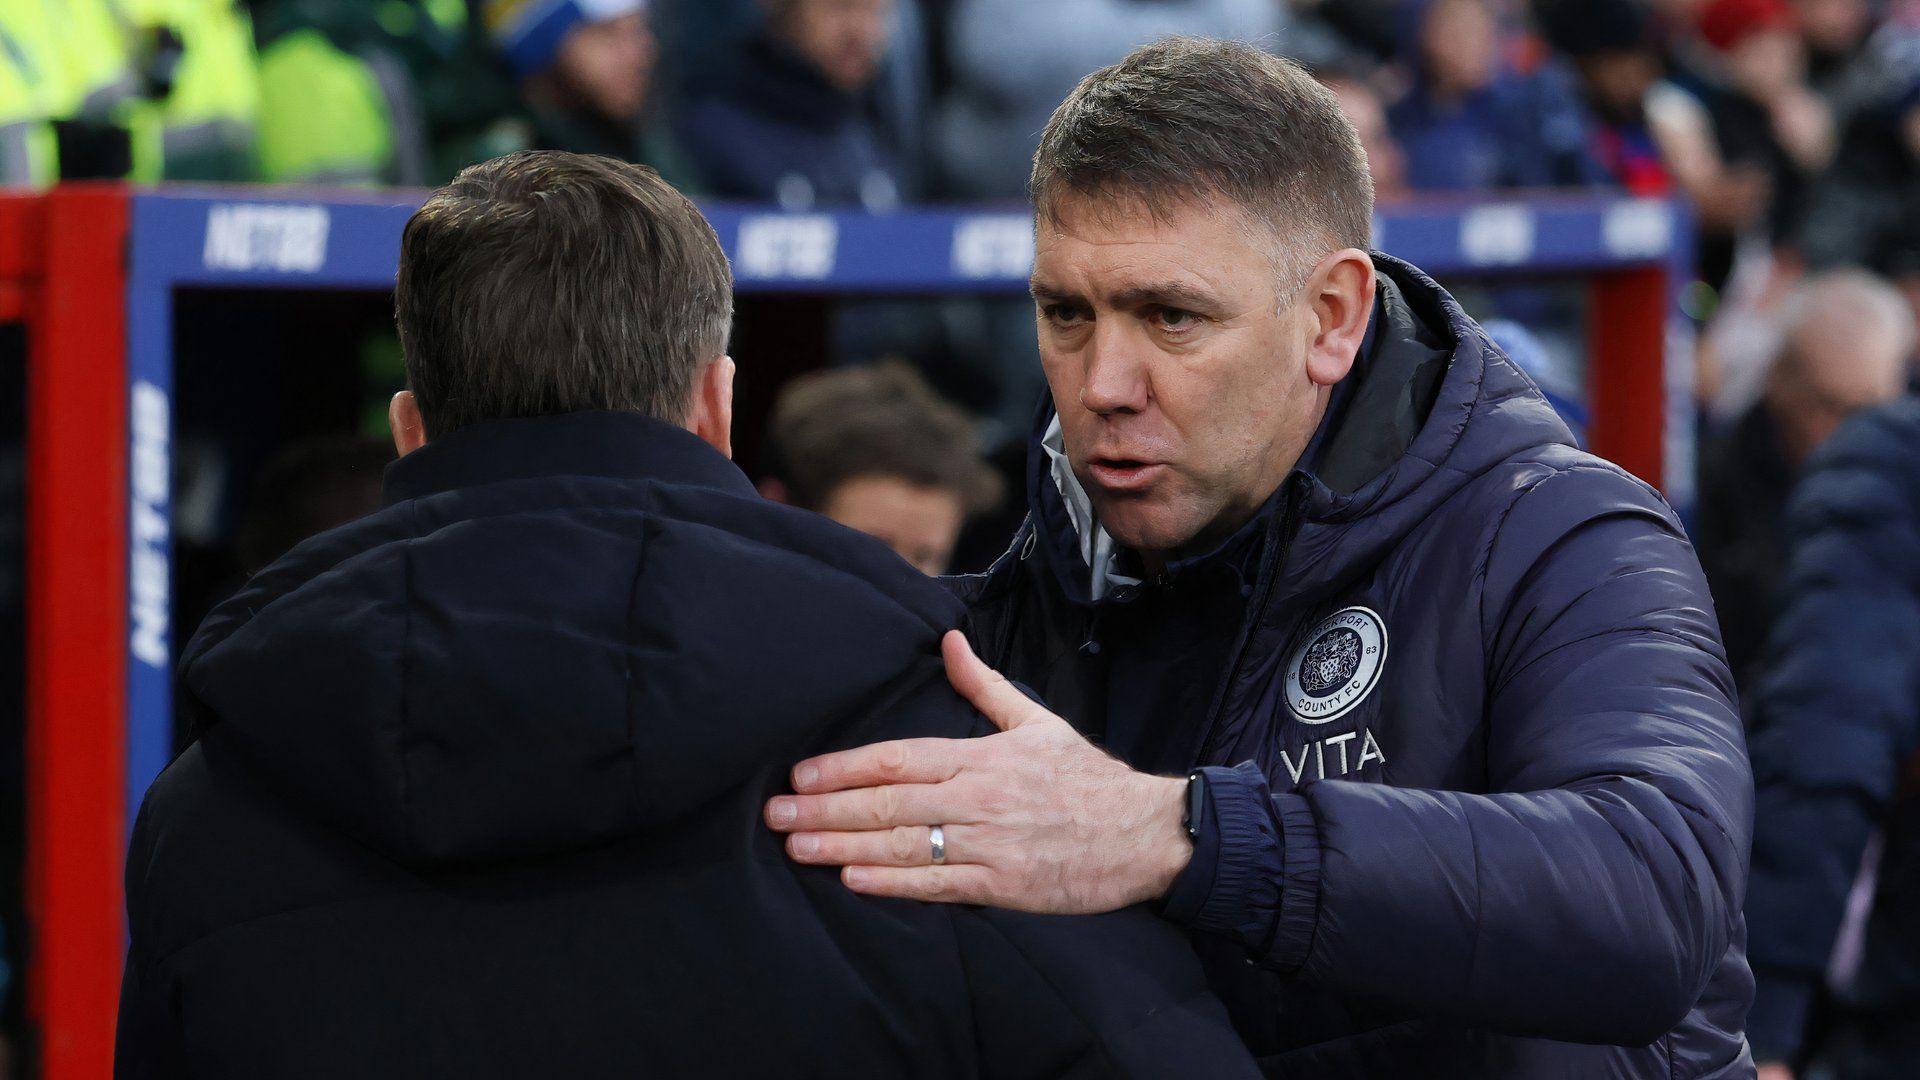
x=920, y=524
x=1187, y=380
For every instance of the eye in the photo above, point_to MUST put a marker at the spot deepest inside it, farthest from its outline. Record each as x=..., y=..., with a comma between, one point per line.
x=1061, y=314
x=1176, y=320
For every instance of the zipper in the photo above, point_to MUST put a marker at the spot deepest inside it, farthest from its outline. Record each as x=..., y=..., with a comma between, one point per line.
x=1289, y=526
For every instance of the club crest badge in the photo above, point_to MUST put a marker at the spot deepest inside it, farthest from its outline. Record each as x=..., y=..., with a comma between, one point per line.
x=1338, y=665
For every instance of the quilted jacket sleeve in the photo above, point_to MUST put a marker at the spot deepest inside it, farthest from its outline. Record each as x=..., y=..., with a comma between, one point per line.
x=1591, y=896
x=1837, y=713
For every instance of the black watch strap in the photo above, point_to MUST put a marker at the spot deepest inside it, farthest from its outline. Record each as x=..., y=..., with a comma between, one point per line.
x=1195, y=817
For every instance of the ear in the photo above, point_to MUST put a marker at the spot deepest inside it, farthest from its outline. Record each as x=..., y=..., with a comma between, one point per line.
x=711, y=416
x=1340, y=302
x=774, y=491
x=409, y=429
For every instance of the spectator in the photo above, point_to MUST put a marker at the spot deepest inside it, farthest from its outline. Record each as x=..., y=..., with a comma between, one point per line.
x=1764, y=115
x=476, y=783
x=585, y=70
x=1469, y=123
x=1848, y=337
x=1836, y=727
x=802, y=117
x=1835, y=33
x=875, y=450
x=1386, y=161
x=1867, y=209
x=1014, y=60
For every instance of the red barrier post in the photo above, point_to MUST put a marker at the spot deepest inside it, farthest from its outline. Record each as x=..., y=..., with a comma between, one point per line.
x=76, y=630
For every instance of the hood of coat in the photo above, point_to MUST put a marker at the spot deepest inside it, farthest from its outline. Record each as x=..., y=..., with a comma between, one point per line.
x=560, y=632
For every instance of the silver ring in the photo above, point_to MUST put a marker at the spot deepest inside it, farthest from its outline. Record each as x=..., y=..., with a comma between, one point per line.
x=938, y=835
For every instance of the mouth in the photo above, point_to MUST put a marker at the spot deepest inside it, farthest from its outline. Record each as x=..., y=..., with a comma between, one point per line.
x=1124, y=474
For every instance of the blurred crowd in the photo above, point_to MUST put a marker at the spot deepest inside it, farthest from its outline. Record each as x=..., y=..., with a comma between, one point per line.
x=1791, y=128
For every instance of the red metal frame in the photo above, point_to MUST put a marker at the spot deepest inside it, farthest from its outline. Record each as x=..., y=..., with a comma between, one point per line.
x=76, y=619
x=1626, y=365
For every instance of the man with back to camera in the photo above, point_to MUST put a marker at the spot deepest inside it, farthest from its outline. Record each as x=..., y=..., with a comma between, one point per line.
x=475, y=783
x=1422, y=721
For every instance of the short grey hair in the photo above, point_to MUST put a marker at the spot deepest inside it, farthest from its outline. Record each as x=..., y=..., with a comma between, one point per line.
x=545, y=282
x=1194, y=118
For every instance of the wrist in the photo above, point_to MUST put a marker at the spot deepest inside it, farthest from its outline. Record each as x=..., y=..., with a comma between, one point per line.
x=1171, y=849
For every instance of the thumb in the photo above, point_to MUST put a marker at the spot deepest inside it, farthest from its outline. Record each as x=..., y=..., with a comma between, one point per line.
x=989, y=691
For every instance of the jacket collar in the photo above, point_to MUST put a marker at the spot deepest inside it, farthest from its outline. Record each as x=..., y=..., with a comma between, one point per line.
x=611, y=445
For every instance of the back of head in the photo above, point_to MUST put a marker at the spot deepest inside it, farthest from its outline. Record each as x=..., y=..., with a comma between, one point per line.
x=1194, y=119
x=545, y=282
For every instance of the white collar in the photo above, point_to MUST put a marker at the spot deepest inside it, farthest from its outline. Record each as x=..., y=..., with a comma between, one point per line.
x=1096, y=547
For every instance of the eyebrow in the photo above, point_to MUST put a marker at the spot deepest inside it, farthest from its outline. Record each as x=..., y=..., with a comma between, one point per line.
x=1175, y=294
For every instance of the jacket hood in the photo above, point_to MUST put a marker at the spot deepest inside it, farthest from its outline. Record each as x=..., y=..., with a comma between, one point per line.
x=1431, y=404
x=559, y=633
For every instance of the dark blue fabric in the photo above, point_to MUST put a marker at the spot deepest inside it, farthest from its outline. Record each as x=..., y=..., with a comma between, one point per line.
x=1519, y=131
x=755, y=126
x=1836, y=725
x=1523, y=852
x=477, y=790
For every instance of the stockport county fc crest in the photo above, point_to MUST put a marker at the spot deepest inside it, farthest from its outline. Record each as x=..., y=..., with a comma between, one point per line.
x=1338, y=666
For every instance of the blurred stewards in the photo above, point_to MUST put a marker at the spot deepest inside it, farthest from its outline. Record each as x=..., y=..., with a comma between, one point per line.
x=1836, y=854
x=410, y=91
x=370, y=93
x=876, y=450
x=139, y=89
x=1846, y=347
x=801, y=116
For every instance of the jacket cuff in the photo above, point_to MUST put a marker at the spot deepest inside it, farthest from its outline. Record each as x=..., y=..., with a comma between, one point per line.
x=1299, y=915
x=1777, y=1023
x=1234, y=883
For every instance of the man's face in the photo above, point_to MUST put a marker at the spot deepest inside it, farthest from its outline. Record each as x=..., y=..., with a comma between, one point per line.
x=845, y=39
x=1176, y=363
x=921, y=524
x=609, y=64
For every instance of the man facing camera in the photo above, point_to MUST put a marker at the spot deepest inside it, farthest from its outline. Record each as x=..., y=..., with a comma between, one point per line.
x=474, y=783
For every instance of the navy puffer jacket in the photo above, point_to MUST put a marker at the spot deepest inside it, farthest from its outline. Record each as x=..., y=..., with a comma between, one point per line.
x=477, y=791
x=1492, y=805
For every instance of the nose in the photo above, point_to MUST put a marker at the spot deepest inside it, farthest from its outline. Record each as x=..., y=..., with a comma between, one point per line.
x=1116, y=377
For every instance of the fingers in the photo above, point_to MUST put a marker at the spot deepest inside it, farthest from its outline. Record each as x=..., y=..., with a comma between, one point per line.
x=907, y=761
x=989, y=691
x=941, y=884
x=905, y=845
x=863, y=809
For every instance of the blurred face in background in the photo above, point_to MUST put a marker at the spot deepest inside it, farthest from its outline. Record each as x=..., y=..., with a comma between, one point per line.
x=1833, y=26
x=1841, y=359
x=1187, y=374
x=609, y=65
x=921, y=524
x=1768, y=63
x=846, y=39
x=1386, y=161
x=1460, y=44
